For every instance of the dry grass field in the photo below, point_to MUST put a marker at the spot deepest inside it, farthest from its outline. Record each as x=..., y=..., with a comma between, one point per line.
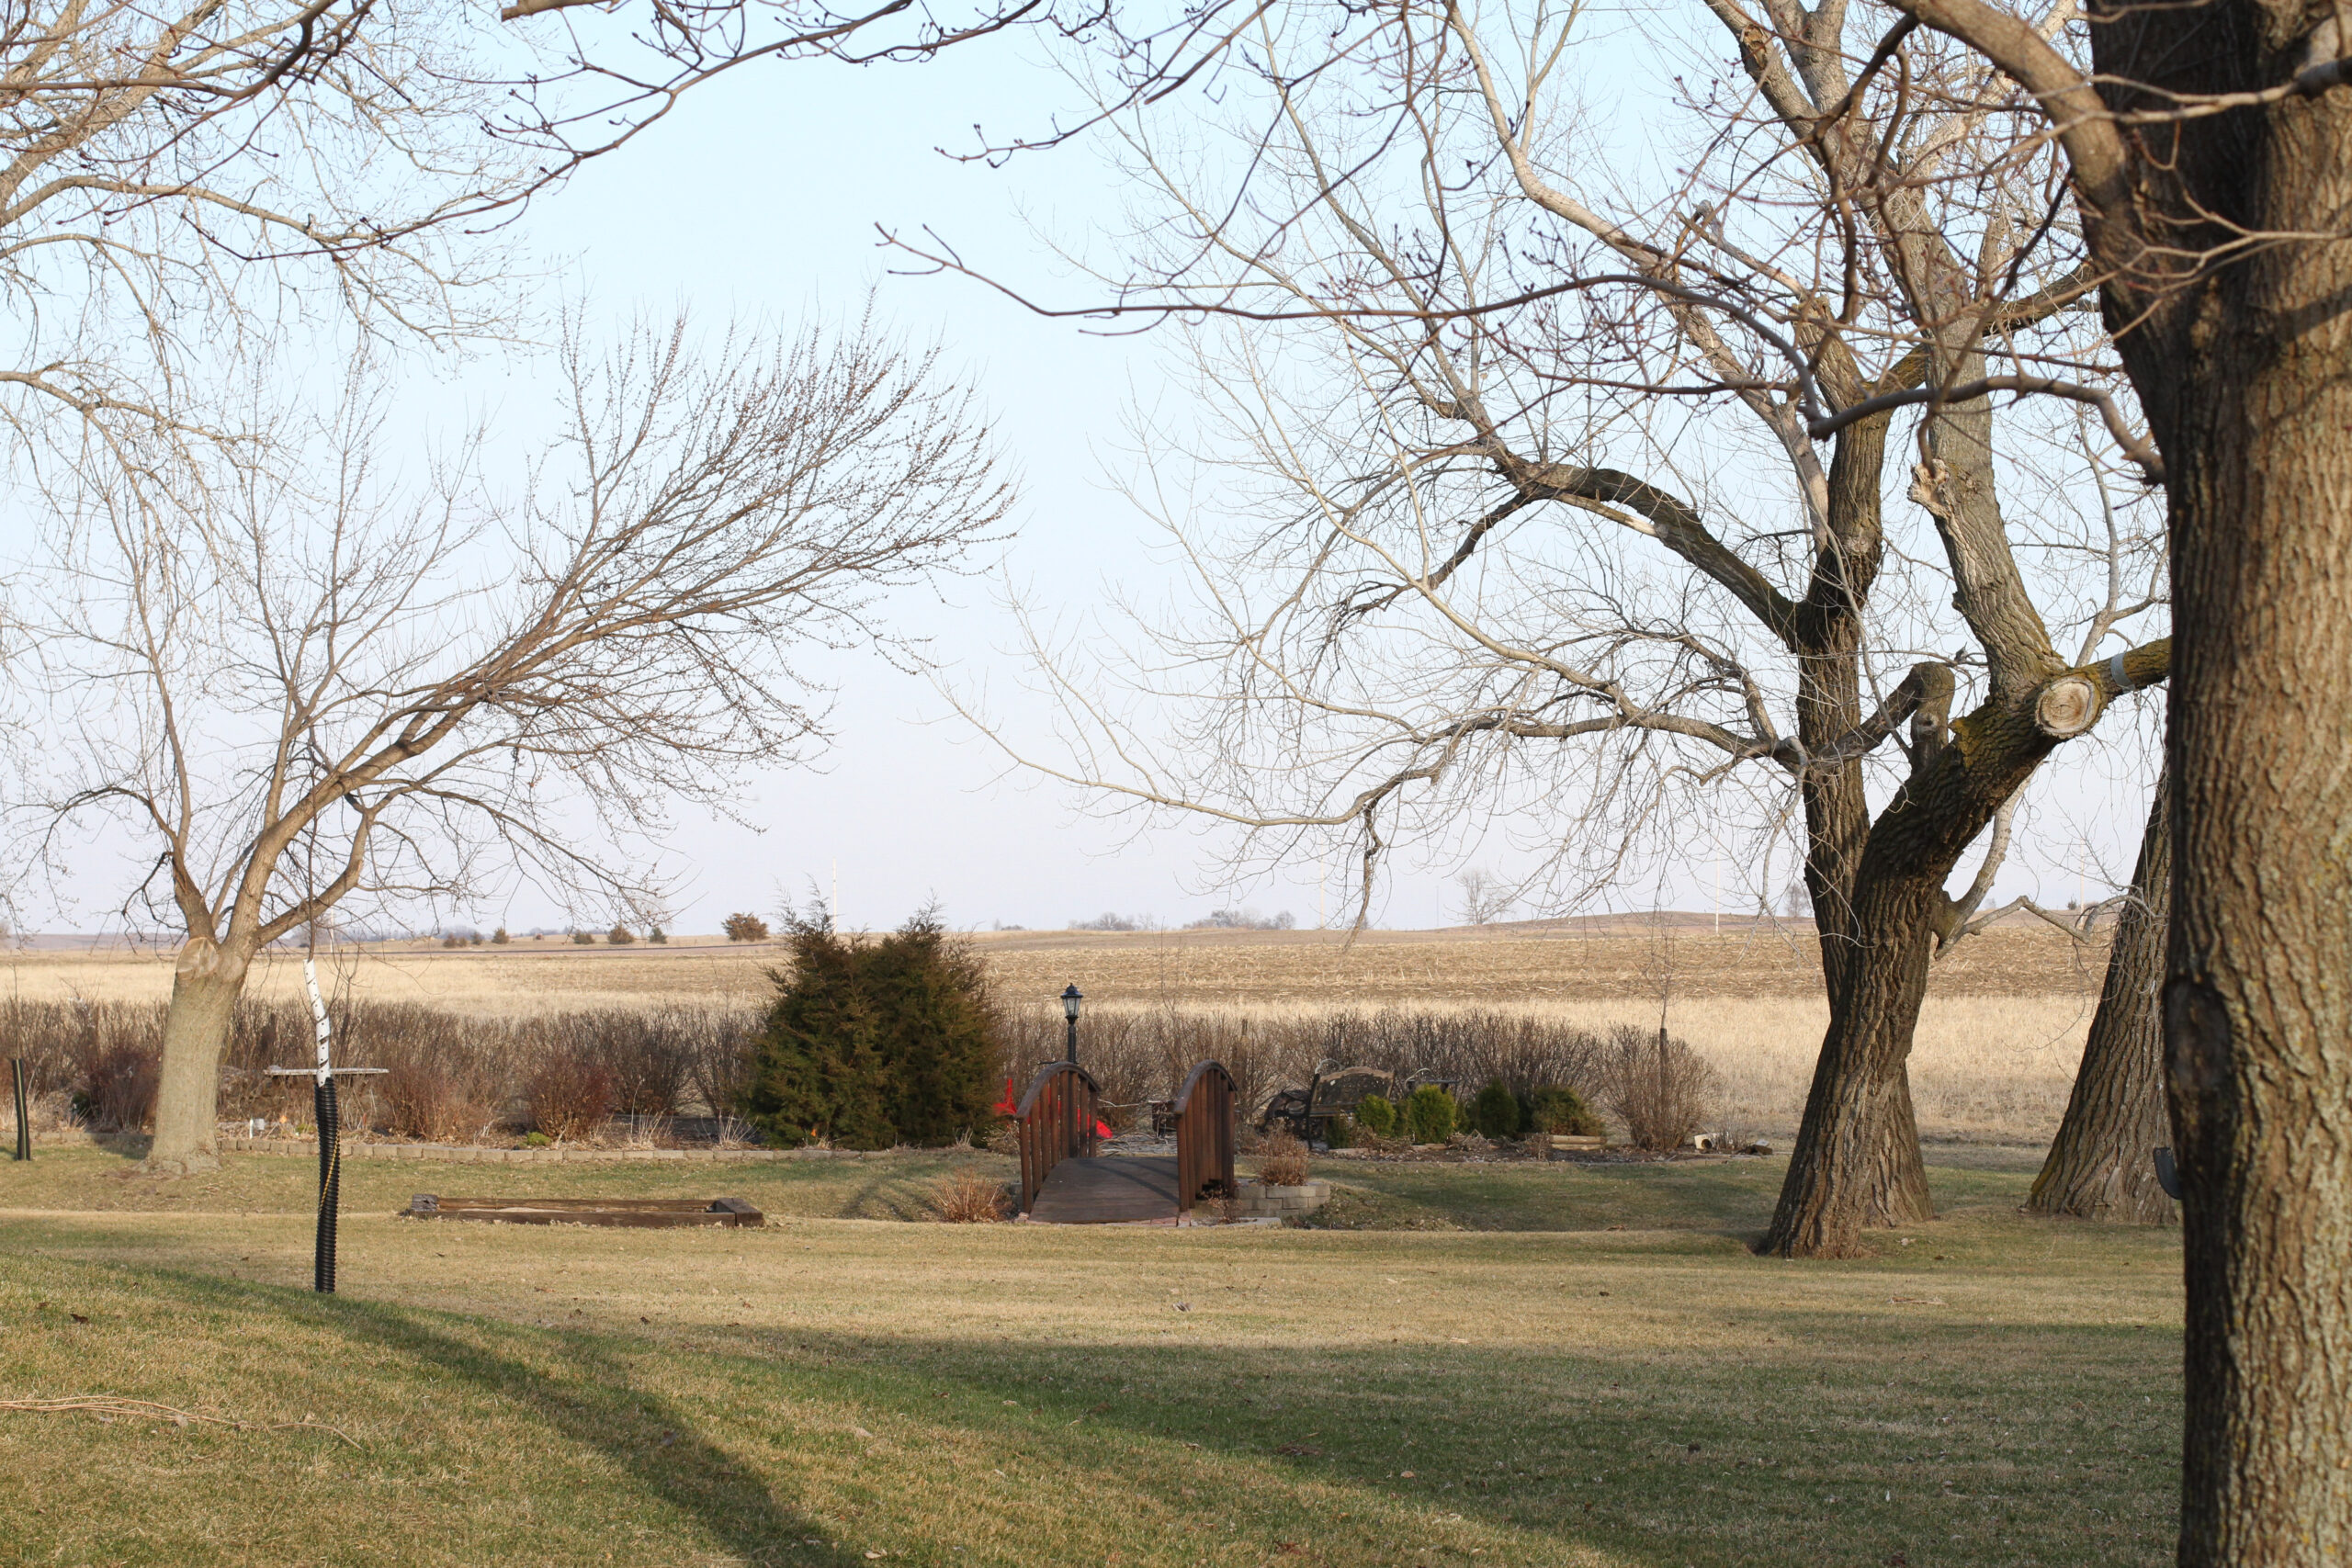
x=1997, y=1045
x=1549, y=1367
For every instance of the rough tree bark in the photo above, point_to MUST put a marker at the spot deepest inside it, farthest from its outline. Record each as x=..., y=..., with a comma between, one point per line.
x=2257, y=1010
x=1848, y=1149
x=2241, y=362
x=205, y=984
x=2100, y=1164
x=2220, y=240
x=1827, y=637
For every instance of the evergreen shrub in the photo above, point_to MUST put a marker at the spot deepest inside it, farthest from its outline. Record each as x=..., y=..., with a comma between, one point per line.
x=1495, y=1112
x=1557, y=1109
x=1336, y=1133
x=1430, y=1114
x=875, y=1043
x=1375, y=1115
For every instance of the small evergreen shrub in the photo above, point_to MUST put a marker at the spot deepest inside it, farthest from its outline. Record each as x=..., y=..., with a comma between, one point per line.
x=620, y=935
x=1337, y=1134
x=583, y=939
x=499, y=937
x=1557, y=1109
x=1375, y=1115
x=450, y=939
x=1495, y=1112
x=658, y=937
x=743, y=927
x=1430, y=1114
x=876, y=1043
x=536, y=1141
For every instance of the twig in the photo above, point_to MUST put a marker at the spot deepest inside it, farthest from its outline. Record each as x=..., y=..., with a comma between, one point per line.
x=108, y=1405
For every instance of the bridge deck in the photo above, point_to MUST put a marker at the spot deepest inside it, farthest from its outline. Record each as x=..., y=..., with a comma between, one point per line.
x=1108, y=1191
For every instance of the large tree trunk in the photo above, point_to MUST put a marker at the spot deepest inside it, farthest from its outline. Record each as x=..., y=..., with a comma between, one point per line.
x=205, y=984
x=2258, y=998
x=2101, y=1166
x=2241, y=366
x=1857, y=1158
x=1828, y=637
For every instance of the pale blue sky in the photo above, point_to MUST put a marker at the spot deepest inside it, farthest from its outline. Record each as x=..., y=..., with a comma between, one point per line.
x=759, y=197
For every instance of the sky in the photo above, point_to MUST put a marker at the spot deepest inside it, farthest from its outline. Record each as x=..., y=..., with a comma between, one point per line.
x=758, y=198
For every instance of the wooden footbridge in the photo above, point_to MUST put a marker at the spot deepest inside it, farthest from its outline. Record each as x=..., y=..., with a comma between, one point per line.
x=1066, y=1179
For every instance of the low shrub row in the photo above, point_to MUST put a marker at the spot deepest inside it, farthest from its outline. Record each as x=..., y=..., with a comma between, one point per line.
x=1658, y=1087
x=890, y=1040
x=447, y=1079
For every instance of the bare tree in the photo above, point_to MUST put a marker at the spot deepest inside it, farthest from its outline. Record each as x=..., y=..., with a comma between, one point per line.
x=178, y=181
x=2207, y=150
x=309, y=686
x=1486, y=897
x=1585, y=499
x=2199, y=153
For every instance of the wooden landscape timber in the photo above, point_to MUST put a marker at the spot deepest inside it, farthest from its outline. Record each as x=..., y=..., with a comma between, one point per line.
x=641, y=1214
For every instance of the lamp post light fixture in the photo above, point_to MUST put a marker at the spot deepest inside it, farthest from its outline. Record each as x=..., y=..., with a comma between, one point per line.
x=1070, y=999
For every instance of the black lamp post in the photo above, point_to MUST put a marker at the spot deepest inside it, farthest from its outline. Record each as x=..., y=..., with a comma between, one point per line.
x=1070, y=999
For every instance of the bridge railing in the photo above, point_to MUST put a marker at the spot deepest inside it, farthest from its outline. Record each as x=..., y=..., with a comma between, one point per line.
x=1204, y=1136
x=1054, y=1121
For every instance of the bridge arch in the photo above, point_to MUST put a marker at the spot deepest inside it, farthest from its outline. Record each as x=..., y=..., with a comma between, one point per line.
x=1055, y=1121
x=1205, y=1112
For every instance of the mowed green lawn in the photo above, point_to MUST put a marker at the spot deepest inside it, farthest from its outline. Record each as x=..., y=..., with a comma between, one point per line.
x=1533, y=1386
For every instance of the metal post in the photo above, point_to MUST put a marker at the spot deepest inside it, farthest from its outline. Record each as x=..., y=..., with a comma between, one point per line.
x=330, y=1120
x=330, y=1141
x=24, y=1115
x=1070, y=1055
x=329, y=1186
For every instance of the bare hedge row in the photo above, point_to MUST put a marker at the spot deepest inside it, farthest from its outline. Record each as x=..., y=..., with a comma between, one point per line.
x=450, y=1078
x=453, y=1078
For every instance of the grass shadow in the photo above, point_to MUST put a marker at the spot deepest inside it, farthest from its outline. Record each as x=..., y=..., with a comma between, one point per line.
x=597, y=1401
x=606, y=1407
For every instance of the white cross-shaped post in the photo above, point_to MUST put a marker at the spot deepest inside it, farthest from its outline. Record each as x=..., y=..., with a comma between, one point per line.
x=322, y=1076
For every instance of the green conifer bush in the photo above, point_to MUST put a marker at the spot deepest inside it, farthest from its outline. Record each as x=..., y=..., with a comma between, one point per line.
x=1430, y=1114
x=875, y=1043
x=1495, y=1112
x=1557, y=1109
x=1375, y=1115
